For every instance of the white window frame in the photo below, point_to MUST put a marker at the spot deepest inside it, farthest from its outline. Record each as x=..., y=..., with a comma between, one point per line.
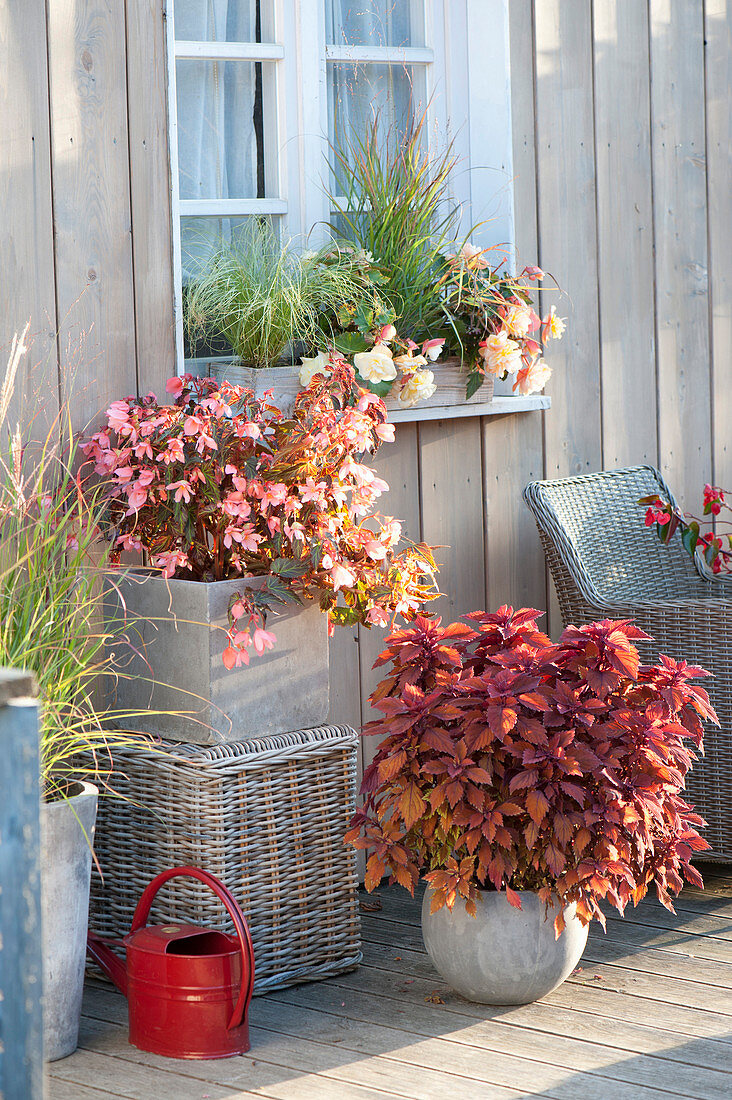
x=467, y=63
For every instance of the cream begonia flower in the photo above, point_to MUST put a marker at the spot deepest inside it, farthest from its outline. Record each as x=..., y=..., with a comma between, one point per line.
x=472, y=256
x=318, y=364
x=517, y=320
x=418, y=386
x=501, y=354
x=376, y=365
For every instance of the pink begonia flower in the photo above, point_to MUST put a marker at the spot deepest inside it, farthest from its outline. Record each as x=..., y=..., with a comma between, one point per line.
x=392, y=528
x=234, y=657
x=388, y=332
x=295, y=531
x=136, y=497
x=118, y=415
x=129, y=542
x=238, y=610
x=143, y=450
x=245, y=537
x=235, y=505
x=273, y=495
x=169, y=561
x=263, y=639
x=377, y=616
x=248, y=430
x=182, y=489
x=174, y=386
x=192, y=425
x=533, y=273
x=146, y=476
x=375, y=550
x=124, y=473
x=341, y=577
x=206, y=441
x=385, y=432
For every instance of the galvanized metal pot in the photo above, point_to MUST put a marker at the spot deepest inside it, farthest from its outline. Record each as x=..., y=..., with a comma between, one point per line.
x=67, y=832
x=177, y=631
x=503, y=955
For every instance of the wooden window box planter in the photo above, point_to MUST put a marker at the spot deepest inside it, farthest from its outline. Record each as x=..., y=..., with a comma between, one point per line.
x=447, y=401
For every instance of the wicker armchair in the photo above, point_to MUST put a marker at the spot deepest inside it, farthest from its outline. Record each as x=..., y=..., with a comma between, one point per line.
x=607, y=564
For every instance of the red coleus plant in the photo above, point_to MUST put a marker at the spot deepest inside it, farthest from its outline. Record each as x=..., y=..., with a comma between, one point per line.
x=511, y=763
x=219, y=485
x=709, y=546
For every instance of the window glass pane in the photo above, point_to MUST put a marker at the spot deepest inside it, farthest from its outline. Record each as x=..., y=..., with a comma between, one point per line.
x=374, y=22
x=359, y=93
x=220, y=131
x=222, y=20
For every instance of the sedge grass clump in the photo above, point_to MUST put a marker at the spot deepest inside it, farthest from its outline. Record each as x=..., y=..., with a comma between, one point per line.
x=271, y=302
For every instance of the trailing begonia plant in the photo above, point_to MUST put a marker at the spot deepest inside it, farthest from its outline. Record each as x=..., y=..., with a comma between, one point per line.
x=706, y=547
x=508, y=763
x=219, y=485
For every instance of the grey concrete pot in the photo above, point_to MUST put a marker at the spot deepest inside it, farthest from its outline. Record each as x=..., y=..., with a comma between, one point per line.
x=503, y=955
x=67, y=832
x=178, y=630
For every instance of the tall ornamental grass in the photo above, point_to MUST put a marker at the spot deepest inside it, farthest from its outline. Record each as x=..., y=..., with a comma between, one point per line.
x=392, y=200
x=50, y=607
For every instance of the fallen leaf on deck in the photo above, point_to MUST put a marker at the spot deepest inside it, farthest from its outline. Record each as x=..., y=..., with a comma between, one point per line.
x=370, y=906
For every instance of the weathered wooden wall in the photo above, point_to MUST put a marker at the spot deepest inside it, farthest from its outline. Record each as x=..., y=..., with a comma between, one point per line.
x=85, y=235
x=623, y=177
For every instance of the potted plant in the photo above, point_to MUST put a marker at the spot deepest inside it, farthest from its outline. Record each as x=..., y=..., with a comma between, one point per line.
x=50, y=626
x=245, y=513
x=393, y=204
x=528, y=784
x=271, y=303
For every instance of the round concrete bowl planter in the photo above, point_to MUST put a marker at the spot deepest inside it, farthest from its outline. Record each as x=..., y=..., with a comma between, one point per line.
x=177, y=630
x=67, y=832
x=284, y=381
x=503, y=955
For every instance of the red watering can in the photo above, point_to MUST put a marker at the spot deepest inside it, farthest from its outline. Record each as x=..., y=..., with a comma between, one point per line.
x=188, y=988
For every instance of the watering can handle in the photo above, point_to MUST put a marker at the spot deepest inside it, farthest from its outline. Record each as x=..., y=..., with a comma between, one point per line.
x=232, y=907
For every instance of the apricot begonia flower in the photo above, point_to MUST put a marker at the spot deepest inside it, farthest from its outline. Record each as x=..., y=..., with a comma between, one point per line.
x=553, y=326
x=501, y=355
x=533, y=378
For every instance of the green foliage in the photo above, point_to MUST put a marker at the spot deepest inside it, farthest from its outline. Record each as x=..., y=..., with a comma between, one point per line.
x=50, y=622
x=268, y=301
x=392, y=202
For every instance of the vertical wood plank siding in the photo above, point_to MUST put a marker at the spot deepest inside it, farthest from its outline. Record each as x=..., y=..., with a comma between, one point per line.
x=622, y=178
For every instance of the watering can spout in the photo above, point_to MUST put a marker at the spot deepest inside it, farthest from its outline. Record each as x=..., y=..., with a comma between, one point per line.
x=113, y=967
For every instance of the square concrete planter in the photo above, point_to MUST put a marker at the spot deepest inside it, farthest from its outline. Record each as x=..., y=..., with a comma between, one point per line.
x=450, y=379
x=177, y=631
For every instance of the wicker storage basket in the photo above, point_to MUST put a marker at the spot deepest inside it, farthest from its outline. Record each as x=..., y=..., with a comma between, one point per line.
x=267, y=817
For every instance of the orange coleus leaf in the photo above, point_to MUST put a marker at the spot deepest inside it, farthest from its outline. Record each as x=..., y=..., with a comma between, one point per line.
x=513, y=898
x=537, y=804
x=374, y=872
x=411, y=805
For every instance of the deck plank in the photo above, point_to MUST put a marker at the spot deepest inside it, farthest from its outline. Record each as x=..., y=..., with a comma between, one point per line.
x=632, y=1023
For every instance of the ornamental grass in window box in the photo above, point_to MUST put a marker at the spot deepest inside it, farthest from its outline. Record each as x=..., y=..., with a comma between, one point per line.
x=255, y=523
x=392, y=200
x=520, y=777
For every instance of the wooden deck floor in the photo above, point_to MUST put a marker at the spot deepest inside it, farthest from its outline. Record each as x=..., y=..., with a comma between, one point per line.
x=647, y=1015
